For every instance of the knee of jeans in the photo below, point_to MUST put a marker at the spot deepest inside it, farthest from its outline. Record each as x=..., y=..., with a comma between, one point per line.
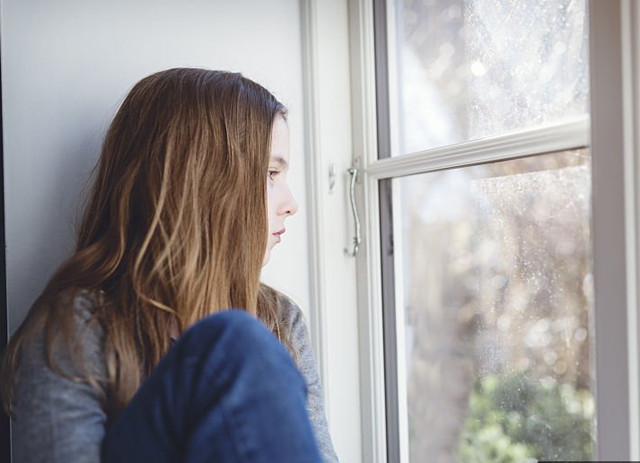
x=231, y=329
x=225, y=319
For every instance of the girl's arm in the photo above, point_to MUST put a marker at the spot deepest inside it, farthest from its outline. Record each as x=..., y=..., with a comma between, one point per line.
x=57, y=419
x=308, y=367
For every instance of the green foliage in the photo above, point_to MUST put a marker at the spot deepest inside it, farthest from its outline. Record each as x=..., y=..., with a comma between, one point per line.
x=514, y=419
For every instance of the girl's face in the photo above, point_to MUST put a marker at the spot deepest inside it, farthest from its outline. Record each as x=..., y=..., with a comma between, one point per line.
x=281, y=203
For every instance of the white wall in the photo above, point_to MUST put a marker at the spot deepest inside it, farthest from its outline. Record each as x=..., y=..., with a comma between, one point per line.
x=66, y=65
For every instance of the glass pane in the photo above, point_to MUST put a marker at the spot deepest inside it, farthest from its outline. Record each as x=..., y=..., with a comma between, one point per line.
x=469, y=69
x=496, y=291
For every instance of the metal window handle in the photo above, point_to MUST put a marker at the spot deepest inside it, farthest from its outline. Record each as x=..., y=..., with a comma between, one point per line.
x=357, y=239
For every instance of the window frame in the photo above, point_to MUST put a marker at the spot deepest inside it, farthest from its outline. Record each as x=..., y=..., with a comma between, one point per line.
x=333, y=318
x=615, y=105
x=613, y=136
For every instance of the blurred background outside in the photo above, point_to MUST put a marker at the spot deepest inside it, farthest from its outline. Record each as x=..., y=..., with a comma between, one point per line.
x=496, y=272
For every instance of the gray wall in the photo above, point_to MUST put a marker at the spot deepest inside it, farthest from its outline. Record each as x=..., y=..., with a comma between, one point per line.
x=67, y=64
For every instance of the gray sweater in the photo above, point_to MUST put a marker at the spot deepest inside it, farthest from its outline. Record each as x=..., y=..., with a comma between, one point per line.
x=58, y=420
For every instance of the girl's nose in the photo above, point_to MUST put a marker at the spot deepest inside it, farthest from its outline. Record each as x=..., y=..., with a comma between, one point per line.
x=289, y=205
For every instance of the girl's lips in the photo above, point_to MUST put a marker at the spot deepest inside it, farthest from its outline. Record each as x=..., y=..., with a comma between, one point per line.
x=278, y=233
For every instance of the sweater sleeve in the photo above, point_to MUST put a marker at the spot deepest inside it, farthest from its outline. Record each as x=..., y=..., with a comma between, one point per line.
x=59, y=419
x=308, y=367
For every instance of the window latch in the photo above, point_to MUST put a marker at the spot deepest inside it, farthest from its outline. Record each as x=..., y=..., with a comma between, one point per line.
x=357, y=239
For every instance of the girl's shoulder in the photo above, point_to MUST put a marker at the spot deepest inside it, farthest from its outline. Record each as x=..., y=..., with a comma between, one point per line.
x=78, y=307
x=292, y=322
x=289, y=312
x=84, y=302
x=71, y=334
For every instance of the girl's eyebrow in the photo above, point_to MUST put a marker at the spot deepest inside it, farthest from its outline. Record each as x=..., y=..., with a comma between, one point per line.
x=282, y=162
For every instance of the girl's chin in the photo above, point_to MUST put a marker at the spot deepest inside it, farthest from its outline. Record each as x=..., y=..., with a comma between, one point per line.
x=267, y=254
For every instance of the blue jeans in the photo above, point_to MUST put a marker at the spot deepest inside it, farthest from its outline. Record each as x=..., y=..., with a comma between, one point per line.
x=227, y=391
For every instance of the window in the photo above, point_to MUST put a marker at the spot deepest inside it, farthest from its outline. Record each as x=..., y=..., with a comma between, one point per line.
x=464, y=70
x=488, y=308
x=479, y=221
x=494, y=285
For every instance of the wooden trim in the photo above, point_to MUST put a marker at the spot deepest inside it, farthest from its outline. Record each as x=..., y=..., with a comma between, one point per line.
x=558, y=137
x=366, y=103
x=630, y=16
x=317, y=247
x=610, y=238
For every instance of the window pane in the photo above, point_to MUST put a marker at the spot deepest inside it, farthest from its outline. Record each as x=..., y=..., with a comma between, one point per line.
x=469, y=69
x=494, y=279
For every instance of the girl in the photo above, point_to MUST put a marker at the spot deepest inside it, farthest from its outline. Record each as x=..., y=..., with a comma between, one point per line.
x=129, y=350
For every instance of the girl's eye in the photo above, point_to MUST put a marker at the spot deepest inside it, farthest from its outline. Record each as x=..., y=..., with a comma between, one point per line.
x=273, y=174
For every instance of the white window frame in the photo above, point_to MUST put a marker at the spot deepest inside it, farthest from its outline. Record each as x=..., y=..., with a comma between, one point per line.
x=333, y=313
x=613, y=137
x=615, y=106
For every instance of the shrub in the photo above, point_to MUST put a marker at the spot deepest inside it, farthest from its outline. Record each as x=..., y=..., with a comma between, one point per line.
x=514, y=419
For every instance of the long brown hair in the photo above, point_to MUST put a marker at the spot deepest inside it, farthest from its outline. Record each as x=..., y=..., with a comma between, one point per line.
x=175, y=228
